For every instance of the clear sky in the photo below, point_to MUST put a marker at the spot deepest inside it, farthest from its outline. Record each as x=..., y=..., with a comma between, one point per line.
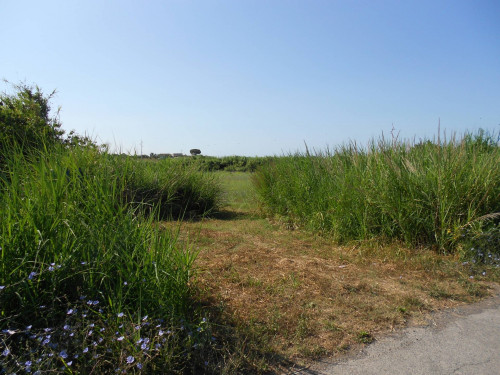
x=257, y=77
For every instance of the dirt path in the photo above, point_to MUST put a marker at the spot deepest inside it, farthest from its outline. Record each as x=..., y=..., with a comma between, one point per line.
x=464, y=340
x=301, y=297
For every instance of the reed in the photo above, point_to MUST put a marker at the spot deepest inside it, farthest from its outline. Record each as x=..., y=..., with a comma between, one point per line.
x=425, y=194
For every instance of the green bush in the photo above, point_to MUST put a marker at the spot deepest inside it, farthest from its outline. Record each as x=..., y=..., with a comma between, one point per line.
x=26, y=122
x=481, y=241
x=423, y=194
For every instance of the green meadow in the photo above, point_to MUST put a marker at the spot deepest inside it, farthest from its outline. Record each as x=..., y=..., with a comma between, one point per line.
x=98, y=275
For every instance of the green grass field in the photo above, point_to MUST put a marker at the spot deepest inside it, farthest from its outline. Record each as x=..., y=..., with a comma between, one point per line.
x=239, y=193
x=115, y=264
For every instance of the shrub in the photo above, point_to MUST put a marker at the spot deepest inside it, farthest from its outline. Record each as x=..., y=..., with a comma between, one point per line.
x=26, y=122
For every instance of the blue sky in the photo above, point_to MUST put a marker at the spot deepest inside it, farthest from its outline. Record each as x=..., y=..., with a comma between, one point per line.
x=251, y=77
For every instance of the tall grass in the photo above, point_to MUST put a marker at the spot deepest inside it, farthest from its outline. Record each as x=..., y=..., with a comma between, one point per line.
x=73, y=237
x=424, y=194
x=176, y=190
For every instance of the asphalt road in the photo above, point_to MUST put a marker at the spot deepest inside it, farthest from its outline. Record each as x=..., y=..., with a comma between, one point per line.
x=464, y=340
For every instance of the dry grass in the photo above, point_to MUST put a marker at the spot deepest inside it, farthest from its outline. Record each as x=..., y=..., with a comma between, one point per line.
x=304, y=298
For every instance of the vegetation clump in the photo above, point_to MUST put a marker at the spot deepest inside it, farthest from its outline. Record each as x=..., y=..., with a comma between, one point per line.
x=426, y=194
x=176, y=190
x=225, y=163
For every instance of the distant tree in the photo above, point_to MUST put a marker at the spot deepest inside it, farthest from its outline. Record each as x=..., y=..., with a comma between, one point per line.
x=194, y=152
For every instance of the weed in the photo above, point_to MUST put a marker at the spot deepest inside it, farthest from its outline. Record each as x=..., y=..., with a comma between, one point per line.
x=331, y=326
x=253, y=282
x=474, y=289
x=365, y=337
x=303, y=328
x=403, y=310
x=314, y=352
x=481, y=241
x=439, y=292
